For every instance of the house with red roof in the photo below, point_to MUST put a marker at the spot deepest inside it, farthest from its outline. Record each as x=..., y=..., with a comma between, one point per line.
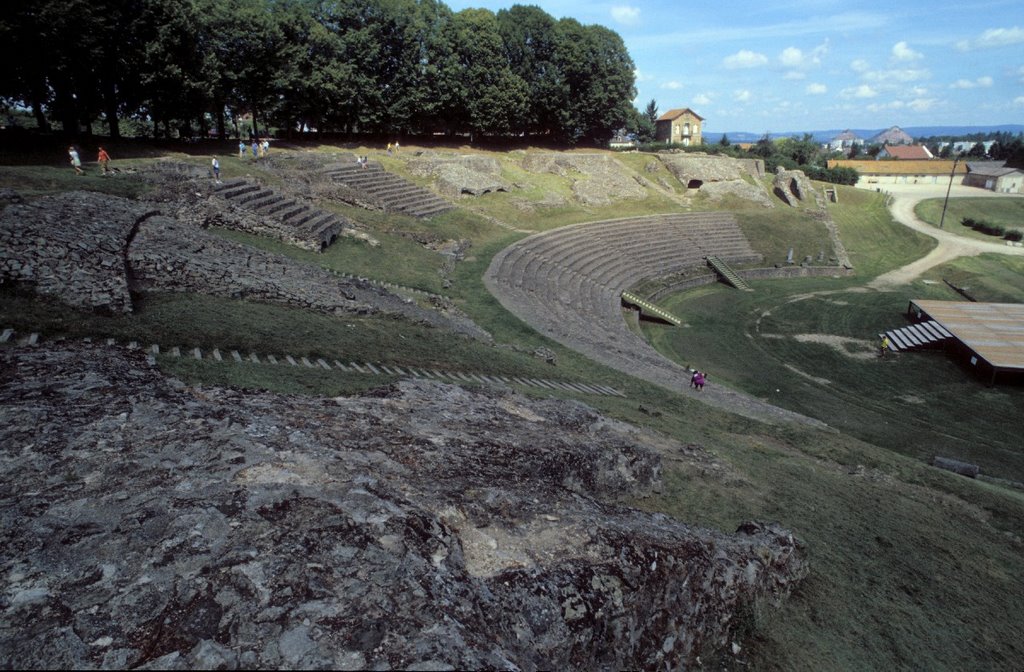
x=905, y=152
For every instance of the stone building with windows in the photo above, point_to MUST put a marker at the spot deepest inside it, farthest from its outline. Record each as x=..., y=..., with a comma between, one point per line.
x=681, y=126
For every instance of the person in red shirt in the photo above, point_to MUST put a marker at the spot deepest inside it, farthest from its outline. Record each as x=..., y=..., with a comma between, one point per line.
x=104, y=159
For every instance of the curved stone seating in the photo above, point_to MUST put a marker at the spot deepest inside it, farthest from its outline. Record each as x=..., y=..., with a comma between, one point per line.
x=567, y=284
x=288, y=219
x=387, y=191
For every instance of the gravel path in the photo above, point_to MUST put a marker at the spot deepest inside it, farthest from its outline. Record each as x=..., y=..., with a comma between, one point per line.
x=905, y=198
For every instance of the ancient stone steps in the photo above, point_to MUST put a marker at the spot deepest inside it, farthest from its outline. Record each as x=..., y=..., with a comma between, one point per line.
x=388, y=191
x=568, y=283
x=294, y=216
x=321, y=363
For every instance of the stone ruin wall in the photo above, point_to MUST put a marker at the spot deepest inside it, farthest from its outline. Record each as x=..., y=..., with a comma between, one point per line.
x=71, y=247
x=91, y=251
x=422, y=525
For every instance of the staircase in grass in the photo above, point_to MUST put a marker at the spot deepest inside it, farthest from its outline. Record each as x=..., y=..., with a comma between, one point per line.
x=928, y=334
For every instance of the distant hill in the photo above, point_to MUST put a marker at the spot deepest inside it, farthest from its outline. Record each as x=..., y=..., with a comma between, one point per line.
x=826, y=135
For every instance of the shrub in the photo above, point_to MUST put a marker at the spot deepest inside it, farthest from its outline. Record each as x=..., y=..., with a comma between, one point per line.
x=968, y=221
x=1014, y=234
x=989, y=229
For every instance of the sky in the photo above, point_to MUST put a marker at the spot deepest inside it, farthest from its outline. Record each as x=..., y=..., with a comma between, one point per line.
x=805, y=65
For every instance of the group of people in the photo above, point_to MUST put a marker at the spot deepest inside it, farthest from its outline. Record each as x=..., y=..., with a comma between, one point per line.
x=259, y=148
x=698, y=379
x=392, y=147
x=102, y=158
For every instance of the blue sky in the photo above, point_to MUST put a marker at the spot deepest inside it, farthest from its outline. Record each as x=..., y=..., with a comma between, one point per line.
x=796, y=65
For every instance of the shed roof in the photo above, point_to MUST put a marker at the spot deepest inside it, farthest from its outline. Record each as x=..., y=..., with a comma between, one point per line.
x=923, y=167
x=995, y=331
x=990, y=168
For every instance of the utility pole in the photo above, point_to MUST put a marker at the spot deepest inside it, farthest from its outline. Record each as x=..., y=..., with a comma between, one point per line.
x=946, y=202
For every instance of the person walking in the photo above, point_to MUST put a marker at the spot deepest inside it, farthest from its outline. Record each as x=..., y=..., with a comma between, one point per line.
x=699, y=379
x=241, y=148
x=256, y=148
x=76, y=161
x=104, y=160
x=693, y=378
x=215, y=165
x=883, y=346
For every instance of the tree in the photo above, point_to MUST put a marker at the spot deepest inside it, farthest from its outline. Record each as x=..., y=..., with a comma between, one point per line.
x=528, y=35
x=855, y=150
x=977, y=151
x=494, y=96
x=724, y=141
x=595, y=82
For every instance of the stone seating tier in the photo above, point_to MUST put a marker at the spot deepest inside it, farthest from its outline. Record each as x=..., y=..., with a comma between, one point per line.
x=388, y=191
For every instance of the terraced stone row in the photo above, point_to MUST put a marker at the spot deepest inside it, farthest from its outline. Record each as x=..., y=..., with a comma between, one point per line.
x=567, y=284
x=388, y=191
x=8, y=335
x=302, y=221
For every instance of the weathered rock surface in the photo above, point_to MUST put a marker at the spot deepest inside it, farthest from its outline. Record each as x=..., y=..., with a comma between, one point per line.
x=739, y=188
x=717, y=176
x=71, y=246
x=147, y=524
x=458, y=175
x=793, y=187
x=597, y=179
x=90, y=250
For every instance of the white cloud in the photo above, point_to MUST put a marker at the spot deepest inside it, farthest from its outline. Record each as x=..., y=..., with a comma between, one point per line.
x=745, y=59
x=626, y=15
x=795, y=74
x=862, y=91
x=702, y=99
x=791, y=57
x=1020, y=71
x=742, y=95
x=816, y=89
x=994, y=37
x=1019, y=101
x=641, y=77
x=673, y=85
x=921, y=104
x=885, y=107
x=902, y=52
x=895, y=75
x=795, y=58
x=860, y=65
x=980, y=82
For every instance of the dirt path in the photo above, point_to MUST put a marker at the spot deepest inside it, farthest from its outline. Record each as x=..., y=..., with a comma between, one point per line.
x=950, y=245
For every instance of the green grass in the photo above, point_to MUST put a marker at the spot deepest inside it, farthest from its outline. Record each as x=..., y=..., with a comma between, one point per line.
x=918, y=404
x=876, y=244
x=1007, y=212
x=911, y=567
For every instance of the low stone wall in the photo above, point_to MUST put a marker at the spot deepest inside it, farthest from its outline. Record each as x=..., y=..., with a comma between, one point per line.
x=753, y=274
x=421, y=526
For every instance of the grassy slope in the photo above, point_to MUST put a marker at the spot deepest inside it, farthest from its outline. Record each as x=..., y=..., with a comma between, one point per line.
x=1007, y=212
x=912, y=568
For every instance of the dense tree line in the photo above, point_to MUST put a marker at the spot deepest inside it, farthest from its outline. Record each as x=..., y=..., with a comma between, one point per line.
x=351, y=66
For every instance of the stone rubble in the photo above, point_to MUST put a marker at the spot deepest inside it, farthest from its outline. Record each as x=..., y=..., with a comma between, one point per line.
x=151, y=525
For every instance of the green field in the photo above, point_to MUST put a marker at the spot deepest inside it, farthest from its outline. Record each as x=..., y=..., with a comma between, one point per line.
x=1005, y=212
x=911, y=567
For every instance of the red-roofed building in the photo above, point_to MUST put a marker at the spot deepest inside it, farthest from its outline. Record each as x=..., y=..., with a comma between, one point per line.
x=679, y=127
x=905, y=152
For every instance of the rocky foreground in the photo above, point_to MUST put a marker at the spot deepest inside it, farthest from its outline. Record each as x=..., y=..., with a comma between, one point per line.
x=149, y=524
